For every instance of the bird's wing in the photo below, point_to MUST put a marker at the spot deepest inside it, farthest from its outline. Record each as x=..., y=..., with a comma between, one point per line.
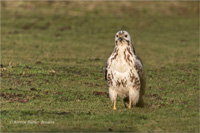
x=140, y=70
x=105, y=70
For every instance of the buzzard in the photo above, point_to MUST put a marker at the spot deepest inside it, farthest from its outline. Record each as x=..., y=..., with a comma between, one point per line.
x=124, y=73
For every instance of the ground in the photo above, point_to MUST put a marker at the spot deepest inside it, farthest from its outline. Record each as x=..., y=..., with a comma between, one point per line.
x=53, y=54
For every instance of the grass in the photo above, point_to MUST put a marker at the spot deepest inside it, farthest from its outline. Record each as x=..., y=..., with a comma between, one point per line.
x=53, y=54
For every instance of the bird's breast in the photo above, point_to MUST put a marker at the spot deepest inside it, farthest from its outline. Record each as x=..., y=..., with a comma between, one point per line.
x=121, y=71
x=121, y=61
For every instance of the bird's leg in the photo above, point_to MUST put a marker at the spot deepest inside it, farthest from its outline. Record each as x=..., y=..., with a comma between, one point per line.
x=133, y=97
x=114, y=108
x=113, y=96
x=129, y=106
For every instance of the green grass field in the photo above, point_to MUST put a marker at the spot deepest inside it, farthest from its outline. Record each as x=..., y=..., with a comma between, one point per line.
x=53, y=54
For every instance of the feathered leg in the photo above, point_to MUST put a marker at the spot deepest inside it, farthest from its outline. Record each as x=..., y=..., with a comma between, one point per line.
x=141, y=101
x=133, y=97
x=113, y=97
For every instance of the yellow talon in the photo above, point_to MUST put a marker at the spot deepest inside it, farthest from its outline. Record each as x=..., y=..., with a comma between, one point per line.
x=129, y=106
x=114, y=108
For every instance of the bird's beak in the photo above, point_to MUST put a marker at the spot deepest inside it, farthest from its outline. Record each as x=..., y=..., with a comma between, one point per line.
x=121, y=37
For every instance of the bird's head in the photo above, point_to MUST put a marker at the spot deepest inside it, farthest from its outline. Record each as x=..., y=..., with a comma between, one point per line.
x=123, y=37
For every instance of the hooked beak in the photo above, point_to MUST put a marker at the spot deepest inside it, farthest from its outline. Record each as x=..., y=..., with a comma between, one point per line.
x=121, y=37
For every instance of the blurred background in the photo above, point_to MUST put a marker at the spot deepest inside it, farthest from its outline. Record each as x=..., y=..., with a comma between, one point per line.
x=72, y=30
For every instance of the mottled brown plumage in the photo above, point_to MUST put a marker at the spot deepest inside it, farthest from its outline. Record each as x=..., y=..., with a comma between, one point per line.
x=124, y=72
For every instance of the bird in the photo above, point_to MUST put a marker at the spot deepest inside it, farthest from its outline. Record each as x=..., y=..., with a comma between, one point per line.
x=124, y=73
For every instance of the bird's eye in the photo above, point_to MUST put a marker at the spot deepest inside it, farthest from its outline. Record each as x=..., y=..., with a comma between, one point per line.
x=116, y=35
x=125, y=35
